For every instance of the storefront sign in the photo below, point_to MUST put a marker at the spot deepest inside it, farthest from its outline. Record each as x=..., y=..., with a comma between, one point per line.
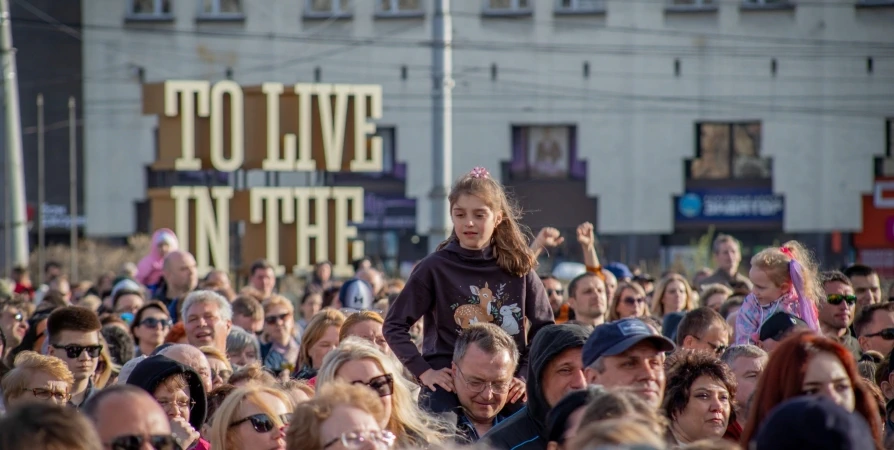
x=272, y=127
x=730, y=205
x=878, y=217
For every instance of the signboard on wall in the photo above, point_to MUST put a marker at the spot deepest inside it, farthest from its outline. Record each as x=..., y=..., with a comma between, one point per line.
x=740, y=205
x=878, y=217
x=272, y=127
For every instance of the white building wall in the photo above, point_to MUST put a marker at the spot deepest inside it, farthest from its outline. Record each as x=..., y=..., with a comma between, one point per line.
x=823, y=115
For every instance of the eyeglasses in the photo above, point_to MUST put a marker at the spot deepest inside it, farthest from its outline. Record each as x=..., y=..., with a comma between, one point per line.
x=634, y=301
x=497, y=387
x=272, y=320
x=133, y=442
x=262, y=423
x=224, y=374
x=718, y=349
x=382, y=384
x=18, y=317
x=152, y=322
x=46, y=394
x=355, y=439
x=555, y=291
x=181, y=404
x=836, y=299
x=74, y=351
x=886, y=334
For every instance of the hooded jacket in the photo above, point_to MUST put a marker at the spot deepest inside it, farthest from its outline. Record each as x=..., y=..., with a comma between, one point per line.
x=526, y=429
x=154, y=370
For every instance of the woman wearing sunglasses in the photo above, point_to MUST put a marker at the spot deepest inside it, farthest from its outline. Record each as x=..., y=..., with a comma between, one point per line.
x=150, y=326
x=340, y=417
x=253, y=417
x=358, y=362
x=281, y=349
x=629, y=301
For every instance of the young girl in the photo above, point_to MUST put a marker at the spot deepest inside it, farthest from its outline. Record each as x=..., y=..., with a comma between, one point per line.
x=785, y=280
x=482, y=273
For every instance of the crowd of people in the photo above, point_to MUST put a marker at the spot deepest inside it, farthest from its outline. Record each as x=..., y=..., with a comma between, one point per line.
x=476, y=348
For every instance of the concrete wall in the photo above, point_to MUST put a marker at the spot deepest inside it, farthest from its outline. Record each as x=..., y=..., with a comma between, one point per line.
x=823, y=115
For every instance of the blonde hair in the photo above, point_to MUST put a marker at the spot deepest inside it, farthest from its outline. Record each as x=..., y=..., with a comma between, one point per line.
x=357, y=318
x=222, y=435
x=617, y=432
x=304, y=431
x=315, y=330
x=297, y=385
x=26, y=364
x=278, y=300
x=213, y=352
x=412, y=426
x=661, y=287
x=510, y=237
x=776, y=264
x=613, y=314
x=620, y=404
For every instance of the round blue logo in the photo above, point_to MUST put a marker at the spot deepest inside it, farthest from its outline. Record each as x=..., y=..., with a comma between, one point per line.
x=690, y=205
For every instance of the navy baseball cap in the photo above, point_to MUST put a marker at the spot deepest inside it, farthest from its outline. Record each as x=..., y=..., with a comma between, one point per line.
x=616, y=337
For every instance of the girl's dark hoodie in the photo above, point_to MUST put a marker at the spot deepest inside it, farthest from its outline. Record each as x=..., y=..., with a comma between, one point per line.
x=453, y=288
x=526, y=429
x=154, y=370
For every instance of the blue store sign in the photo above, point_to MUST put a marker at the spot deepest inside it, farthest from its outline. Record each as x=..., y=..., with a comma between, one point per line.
x=752, y=205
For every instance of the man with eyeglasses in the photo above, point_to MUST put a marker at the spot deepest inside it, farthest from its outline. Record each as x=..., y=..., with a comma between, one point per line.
x=875, y=328
x=703, y=329
x=13, y=322
x=128, y=418
x=74, y=338
x=179, y=391
x=837, y=313
x=561, y=310
x=37, y=378
x=484, y=361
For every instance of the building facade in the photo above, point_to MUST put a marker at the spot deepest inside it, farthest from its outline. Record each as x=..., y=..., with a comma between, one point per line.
x=657, y=121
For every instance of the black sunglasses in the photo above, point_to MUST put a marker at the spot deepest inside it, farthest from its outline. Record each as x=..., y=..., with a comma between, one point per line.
x=262, y=423
x=886, y=334
x=382, y=384
x=271, y=320
x=132, y=442
x=555, y=291
x=152, y=322
x=836, y=299
x=74, y=351
x=634, y=300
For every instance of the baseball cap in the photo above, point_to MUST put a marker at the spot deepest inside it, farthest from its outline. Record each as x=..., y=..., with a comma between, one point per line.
x=813, y=422
x=778, y=325
x=616, y=337
x=619, y=270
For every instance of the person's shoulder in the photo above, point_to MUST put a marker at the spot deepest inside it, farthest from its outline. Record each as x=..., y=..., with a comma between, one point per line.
x=514, y=430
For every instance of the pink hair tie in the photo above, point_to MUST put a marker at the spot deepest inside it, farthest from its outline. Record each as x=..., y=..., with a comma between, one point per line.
x=787, y=251
x=479, y=172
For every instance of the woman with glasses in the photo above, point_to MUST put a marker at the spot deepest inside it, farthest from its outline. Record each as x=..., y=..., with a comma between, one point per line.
x=629, y=301
x=281, y=350
x=221, y=370
x=37, y=377
x=698, y=397
x=180, y=392
x=341, y=417
x=358, y=362
x=150, y=327
x=253, y=417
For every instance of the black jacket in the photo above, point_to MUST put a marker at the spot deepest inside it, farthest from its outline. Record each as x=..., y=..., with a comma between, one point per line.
x=526, y=429
x=154, y=370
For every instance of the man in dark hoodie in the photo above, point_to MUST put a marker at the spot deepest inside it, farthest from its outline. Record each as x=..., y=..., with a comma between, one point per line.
x=555, y=369
x=180, y=392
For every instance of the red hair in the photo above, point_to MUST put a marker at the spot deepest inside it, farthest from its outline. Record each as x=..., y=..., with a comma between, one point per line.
x=784, y=376
x=178, y=332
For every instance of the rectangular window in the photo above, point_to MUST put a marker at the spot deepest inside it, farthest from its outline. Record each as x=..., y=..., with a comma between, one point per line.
x=399, y=8
x=580, y=6
x=150, y=10
x=691, y=5
x=508, y=7
x=884, y=166
x=325, y=9
x=729, y=150
x=545, y=153
x=221, y=9
x=767, y=4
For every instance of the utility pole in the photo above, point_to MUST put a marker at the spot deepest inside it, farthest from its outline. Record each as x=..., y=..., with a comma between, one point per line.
x=442, y=122
x=41, y=191
x=73, y=186
x=15, y=169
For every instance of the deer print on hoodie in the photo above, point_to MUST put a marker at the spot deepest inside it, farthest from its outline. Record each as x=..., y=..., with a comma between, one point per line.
x=454, y=288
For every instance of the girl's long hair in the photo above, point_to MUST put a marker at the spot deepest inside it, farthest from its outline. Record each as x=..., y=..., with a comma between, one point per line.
x=613, y=313
x=510, y=238
x=776, y=262
x=784, y=376
x=661, y=287
x=315, y=330
x=412, y=426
